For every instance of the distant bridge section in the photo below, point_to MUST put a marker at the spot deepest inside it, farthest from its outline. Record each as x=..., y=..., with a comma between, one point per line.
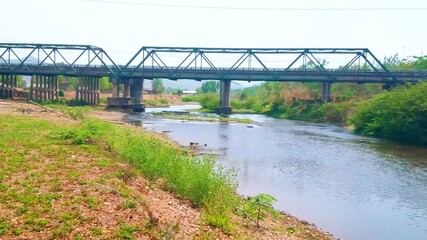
x=325, y=65
x=281, y=64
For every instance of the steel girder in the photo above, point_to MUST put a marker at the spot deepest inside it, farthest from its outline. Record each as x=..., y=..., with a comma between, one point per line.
x=56, y=59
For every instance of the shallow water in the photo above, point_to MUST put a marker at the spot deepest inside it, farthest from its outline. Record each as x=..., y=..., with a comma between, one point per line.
x=352, y=186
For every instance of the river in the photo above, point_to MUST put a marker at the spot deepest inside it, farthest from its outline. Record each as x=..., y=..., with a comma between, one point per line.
x=351, y=186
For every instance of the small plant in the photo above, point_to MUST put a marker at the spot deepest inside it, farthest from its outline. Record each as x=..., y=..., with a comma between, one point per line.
x=126, y=232
x=76, y=114
x=129, y=204
x=96, y=232
x=257, y=207
x=3, y=227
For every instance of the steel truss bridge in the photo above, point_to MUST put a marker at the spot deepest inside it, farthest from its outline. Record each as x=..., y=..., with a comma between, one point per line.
x=358, y=65
x=44, y=62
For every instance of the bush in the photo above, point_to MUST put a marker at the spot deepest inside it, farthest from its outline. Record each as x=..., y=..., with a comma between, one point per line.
x=399, y=115
x=190, y=98
x=61, y=93
x=209, y=101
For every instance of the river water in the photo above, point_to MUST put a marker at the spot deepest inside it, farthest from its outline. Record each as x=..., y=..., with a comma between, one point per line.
x=352, y=186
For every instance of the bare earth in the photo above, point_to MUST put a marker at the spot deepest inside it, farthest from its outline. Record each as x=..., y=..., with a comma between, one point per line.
x=172, y=217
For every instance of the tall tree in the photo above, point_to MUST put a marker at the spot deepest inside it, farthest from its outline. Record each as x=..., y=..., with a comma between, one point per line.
x=210, y=86
x=157, y=85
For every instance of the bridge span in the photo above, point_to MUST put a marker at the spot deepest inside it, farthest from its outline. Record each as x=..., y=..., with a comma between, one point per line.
x=44, y=62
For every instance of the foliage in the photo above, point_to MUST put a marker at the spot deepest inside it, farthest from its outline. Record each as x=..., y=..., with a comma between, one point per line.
x=126, y=232
x=3, y=227
x=258, y=206
x=157, y=85
x=61, y=93
x=210, y=87
x=190, y=98
x=105, y=85
x=178, y=92
x=399, y=115
x=209, y=101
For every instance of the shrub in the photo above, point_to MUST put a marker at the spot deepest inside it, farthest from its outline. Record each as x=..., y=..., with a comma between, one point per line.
x=209, y=101
x=399, y=115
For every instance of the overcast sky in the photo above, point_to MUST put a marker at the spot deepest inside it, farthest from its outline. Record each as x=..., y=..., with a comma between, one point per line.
x=121, y=27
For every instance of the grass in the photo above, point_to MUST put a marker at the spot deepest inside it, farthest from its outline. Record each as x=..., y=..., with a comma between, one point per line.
x=36, y=169
x=37, y=155
x=201, y=118
x=160, y=102
x=57, y=180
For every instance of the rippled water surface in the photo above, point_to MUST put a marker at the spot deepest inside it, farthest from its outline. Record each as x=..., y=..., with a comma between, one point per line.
x=351, y=186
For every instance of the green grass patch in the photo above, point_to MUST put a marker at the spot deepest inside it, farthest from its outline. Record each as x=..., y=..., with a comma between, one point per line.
x=200, y=118
x=162, y=102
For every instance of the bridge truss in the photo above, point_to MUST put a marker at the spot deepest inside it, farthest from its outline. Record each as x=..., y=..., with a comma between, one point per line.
x=281, y=64
x=256, y=64
x=56, y=59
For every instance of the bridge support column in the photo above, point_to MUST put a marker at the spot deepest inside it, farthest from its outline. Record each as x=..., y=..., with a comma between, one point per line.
x=117, y=101
x=326, y=91
x=137, y=93
x=8, y=85
x=88, y=90
x=224, y=97
x=126, y=89
x=44, y=88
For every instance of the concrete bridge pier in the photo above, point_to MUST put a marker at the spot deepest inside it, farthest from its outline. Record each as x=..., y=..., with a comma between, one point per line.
x=8, y=84
x=88, y=90
x=224, y=97
x=137, y=92
x=326, y=91
x=119, y=99
x=44, y=88
x=131, y=96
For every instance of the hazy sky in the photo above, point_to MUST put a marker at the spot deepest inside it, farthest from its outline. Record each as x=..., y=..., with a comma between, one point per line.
x=121, y=27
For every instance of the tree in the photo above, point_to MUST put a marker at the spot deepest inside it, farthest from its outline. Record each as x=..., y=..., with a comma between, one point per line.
x=420, y=63
x=210, y=86
x=105, y=85
x=158, y=87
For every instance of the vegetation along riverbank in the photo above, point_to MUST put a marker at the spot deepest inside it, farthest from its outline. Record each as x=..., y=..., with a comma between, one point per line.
x=398, y=114
x=64, y=174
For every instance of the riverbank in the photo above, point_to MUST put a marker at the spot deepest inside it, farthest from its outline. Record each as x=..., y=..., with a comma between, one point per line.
x=59, y=182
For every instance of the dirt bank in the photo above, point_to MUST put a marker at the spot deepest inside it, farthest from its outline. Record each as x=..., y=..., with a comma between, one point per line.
x=98, y=196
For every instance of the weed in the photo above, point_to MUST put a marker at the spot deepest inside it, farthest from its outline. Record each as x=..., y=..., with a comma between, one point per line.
x=96, y=232
x=16, y=231
x=291, y=230
x=3, y=227
x=104, y=163
x=92, y=203
x=36, y=225
x=61, y=231
x=126, y=232
x=129, y=204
